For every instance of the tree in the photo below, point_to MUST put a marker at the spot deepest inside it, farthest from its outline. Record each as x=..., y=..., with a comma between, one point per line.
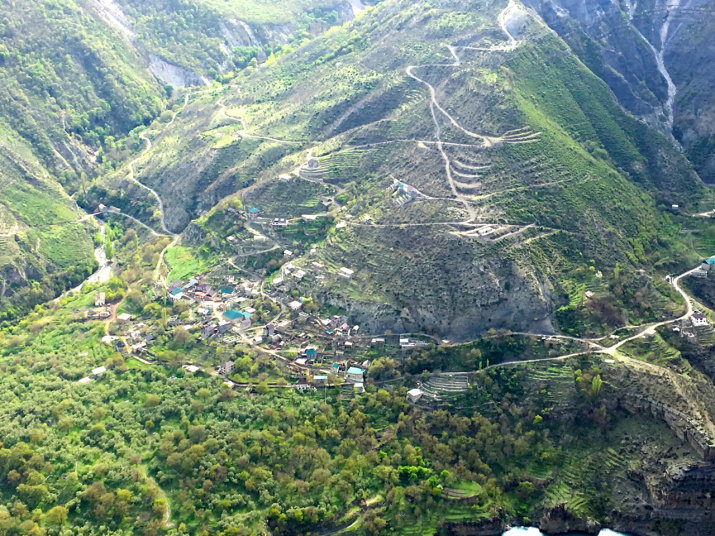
x=182, y=336
x=596, y=384
x=152, y=400
x=262, y=388
x=57, y=515
x=203, y=393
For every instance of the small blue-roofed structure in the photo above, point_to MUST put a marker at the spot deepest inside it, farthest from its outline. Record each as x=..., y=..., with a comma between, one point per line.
x=311, y=352
x=176, y=291
x=226, y=291
x=708, y=264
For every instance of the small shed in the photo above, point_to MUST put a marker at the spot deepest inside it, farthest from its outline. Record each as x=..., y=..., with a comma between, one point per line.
x=320, y=379
x=413, y=395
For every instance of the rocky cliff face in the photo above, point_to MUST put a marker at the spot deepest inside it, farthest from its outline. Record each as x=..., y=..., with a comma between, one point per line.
x=656, y=56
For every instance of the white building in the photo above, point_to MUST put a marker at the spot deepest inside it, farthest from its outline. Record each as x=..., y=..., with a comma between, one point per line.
x=413, y=395
x=698, y=319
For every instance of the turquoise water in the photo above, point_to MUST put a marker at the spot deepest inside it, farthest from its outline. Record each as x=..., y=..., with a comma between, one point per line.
x=523, y=531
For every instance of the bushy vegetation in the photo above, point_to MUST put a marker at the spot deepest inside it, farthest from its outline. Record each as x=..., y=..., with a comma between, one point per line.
x=113, y=455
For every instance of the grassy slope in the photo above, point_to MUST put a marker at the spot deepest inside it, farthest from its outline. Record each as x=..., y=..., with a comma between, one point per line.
x=37, y=259
x=69, y=82
x=191, y=34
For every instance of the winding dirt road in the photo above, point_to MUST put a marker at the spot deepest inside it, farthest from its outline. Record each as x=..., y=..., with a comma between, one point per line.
x=244, y=131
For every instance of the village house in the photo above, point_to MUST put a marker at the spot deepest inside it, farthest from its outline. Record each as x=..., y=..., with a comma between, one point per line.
x=234, y=316
x=313, y=163
x=176, y=294
x=226, y=368
x=355, y=374
x=191, y=284
x=208, y=331
x=347, y=273
x=98, y=371
x=253, y=213
x=98, y=314
x=279, y=222
x=320, y=380
x=405, y=344
x=309, y=217
x=359, y=387
x=708, y=263
x=138, y=348
x=484, y=231
x=176, y=283
x=190, y=368
x=100, y=299
x=295, y=305
x=699, y=319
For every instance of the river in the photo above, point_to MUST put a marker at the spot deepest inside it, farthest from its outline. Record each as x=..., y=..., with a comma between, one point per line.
x=531, y=531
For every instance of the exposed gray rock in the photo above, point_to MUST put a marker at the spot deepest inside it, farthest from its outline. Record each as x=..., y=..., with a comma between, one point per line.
x=175, y=75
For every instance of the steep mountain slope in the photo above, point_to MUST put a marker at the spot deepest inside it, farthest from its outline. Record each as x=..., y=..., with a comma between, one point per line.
x=69, y=84
x=188, y=41
x=518, y=168
x=66, y=74
x=656, y=56
x=78, y=75
x=45, y=241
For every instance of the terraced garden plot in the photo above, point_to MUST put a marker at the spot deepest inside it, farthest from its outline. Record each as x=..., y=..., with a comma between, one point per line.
x=652, y=349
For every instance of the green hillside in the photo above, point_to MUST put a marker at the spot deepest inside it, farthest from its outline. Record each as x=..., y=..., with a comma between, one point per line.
x=540, y=154
x=69, y=85
x=44, y=248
